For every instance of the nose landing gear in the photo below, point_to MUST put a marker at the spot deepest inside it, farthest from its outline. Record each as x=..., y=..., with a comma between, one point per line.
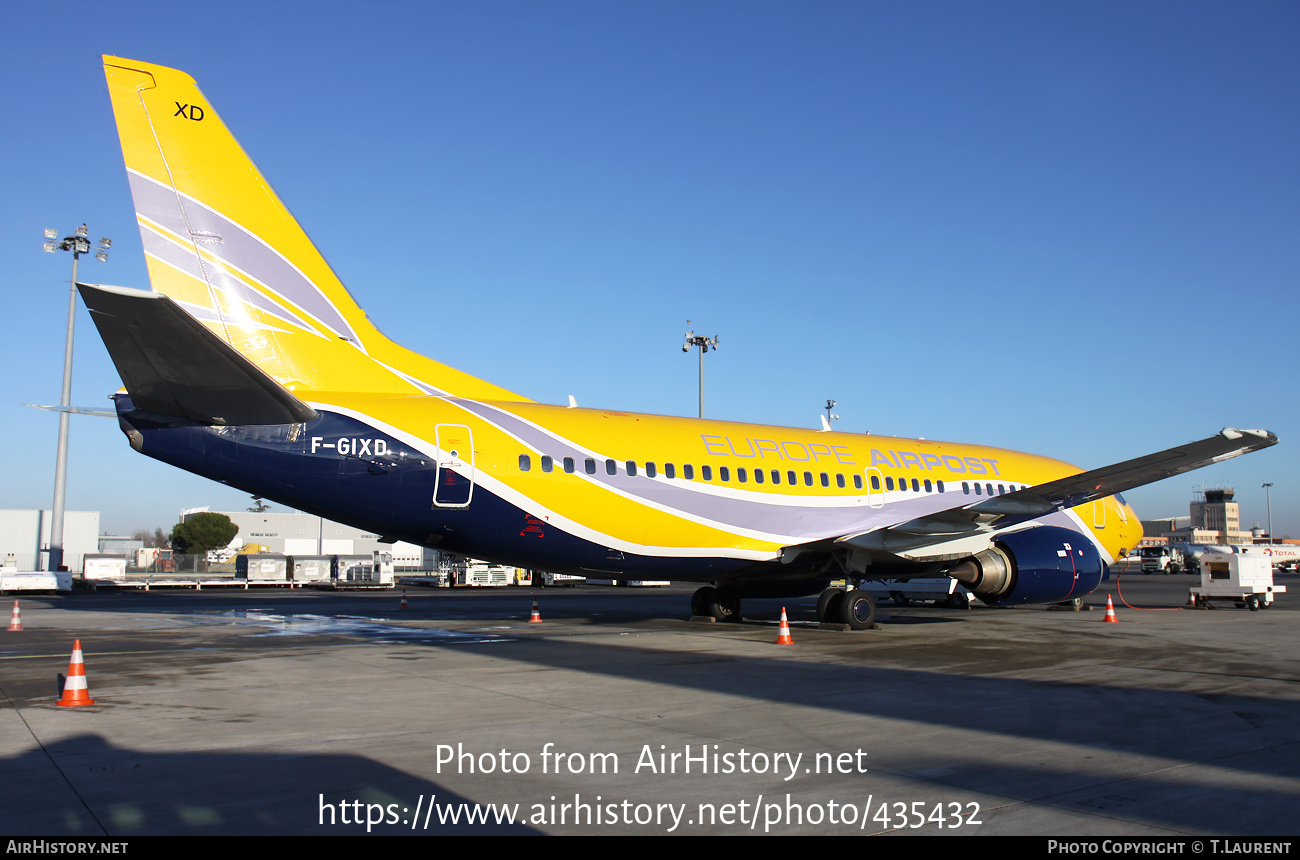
x=717, y=603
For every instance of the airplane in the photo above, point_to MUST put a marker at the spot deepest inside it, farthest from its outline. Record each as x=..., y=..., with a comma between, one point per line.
x=248, y=362
x=1282, y=555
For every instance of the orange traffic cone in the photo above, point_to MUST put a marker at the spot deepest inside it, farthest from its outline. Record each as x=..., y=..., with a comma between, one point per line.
x=75, y=691
x=16, y=620
x=783, y=632
x=403, y=605
x=537, y=616
x=1110, y=611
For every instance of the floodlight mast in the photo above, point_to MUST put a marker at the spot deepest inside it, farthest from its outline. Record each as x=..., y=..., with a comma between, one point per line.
x=78, y=244
x=1268, y=500
x=704, y=344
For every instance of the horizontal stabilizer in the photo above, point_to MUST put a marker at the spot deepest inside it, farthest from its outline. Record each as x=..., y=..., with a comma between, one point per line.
x=171, y=364
x=76, y=410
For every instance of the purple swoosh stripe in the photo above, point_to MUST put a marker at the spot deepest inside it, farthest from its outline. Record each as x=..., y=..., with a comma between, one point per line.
x=797, y=521
x=187, y=262
x=238, y=247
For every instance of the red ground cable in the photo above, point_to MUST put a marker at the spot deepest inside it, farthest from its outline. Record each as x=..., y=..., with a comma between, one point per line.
x=1120, y=592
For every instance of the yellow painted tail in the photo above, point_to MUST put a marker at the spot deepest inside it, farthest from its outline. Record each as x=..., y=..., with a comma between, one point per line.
x=218, y=241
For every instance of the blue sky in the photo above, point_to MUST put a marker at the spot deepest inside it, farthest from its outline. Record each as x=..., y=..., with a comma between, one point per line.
x=1063, y=228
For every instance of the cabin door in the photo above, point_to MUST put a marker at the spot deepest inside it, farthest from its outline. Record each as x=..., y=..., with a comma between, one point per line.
x=454, y=482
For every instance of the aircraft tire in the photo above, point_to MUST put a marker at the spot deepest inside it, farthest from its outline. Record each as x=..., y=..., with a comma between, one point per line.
x=701, y=599
x=824, y=603
x=958, y=600
x=724, y=605
x=1252, y=603
x=857, y=609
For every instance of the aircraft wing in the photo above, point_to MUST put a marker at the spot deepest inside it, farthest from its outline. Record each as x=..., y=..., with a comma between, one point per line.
x=957, y=532
x=172, y=365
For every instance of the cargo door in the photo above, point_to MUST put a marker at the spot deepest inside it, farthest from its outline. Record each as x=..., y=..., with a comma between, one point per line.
x=454, y=481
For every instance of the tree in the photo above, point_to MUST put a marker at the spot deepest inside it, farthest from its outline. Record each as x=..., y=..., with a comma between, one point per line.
x=202, y=532
x=157, y=538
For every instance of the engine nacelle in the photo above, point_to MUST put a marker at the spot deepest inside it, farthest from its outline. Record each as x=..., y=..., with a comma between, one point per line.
x=1047, y=564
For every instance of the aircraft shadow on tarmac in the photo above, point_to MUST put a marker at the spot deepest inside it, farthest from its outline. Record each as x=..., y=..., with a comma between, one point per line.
x=101, y=789
x=1230, y=735
x=1245, y=748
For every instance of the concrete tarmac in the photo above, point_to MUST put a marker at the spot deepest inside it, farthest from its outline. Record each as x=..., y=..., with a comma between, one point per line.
x=276, y=712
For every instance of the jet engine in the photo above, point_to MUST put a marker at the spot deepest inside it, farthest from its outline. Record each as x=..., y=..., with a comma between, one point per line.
x=1047, y=564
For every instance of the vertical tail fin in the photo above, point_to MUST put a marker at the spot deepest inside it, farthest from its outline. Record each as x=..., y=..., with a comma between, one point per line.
x=218, y=241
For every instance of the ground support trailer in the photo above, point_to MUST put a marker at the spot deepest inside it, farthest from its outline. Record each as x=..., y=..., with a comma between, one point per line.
x=1245, y=580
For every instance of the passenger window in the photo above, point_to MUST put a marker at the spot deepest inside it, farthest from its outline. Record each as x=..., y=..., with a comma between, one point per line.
x=724, y=473
x=989, y=488
x=650, y=470
x=916, y=485
x=568, y=465
x=807, y=479
x=547, y=464
x=857, y=482
x=742, y=475
x=611, y=467
x=889, y=483
x=590, y=466
x=670, y=471
x=977, y=490
x=839, y=480
x=791, y=478
x=631, y=468
x=525, y=462
x=776, y=476
x=929, y=488
x=1001, y=489
x=688, y=472
x=941, y=486
x=965, y=488
x=706, y=472
x=875, y=482
x=758, y=476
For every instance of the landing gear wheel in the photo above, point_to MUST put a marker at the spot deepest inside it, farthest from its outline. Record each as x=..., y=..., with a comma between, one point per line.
x=1075, y=603
x=824, y=603
x=1252, y=603
x=724, y=606
x=959, y=600
x=857, y=609
x=701, y=599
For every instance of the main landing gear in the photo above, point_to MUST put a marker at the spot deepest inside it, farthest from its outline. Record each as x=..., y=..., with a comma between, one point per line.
x=855, y=608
